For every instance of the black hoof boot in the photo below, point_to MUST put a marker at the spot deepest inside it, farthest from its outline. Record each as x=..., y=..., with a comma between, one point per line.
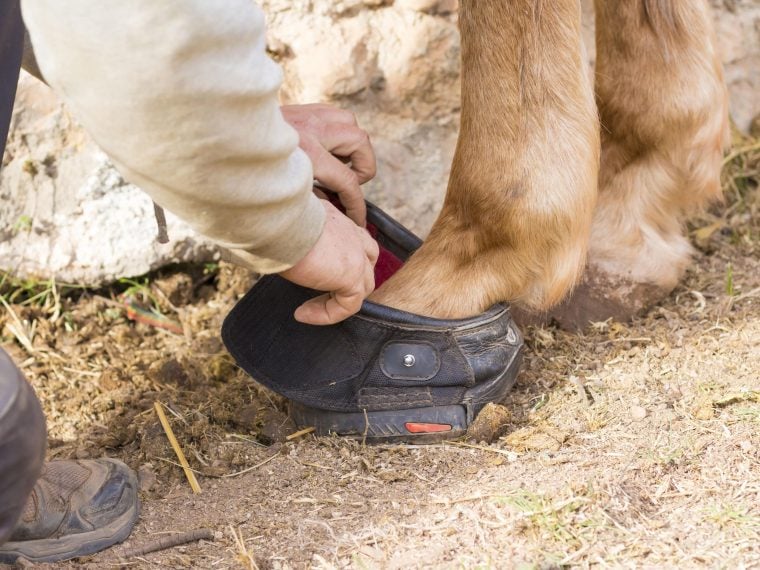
x=382, y=374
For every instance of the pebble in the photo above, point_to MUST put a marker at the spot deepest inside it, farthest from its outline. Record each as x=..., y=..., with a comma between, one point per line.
x=638, y=413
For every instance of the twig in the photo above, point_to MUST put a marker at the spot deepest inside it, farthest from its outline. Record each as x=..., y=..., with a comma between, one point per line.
x=580, y=386
x=740, y=151
x=177, y=449
x=215, y=475
x=754, y=293
x=163, y=235
x=511, y=454
x=245, y=438
x=478, y=497
x=300, y=433
x=641, y=339
x=244, y=555
x=170, y=462
x=366, y=427
x=18, y=329
x=315, y=465
x=82, y=372
x=166, y=542
x=555, y=508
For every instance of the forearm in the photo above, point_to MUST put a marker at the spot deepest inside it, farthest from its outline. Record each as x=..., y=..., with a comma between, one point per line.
x=183, y=98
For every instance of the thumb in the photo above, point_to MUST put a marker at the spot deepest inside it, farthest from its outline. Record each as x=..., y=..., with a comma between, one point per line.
x=329, y=308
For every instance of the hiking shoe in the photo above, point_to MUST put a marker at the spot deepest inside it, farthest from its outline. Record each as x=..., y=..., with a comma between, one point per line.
x=76, y=508
x=382, y=374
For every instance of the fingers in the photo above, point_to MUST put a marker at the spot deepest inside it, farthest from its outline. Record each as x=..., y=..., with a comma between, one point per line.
x=351, y=142
x=334, y=307
x=331, y=308
x=337, y=131
x=339, y=178
x=348, y=141
x=327, y=132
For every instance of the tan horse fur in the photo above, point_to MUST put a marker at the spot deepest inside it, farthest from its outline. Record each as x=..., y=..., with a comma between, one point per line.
x=522, y=198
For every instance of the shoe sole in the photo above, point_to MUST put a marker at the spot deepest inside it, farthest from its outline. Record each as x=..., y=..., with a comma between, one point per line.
x=413, y=425
x=74, y=545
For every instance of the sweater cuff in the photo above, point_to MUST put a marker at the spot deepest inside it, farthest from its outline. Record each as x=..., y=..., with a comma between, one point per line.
x=292, y=246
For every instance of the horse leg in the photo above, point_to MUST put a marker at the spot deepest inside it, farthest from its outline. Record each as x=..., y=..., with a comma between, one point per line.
x=516, y=218
x=664, y=116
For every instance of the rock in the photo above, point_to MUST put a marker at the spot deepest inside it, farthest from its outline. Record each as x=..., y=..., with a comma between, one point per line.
x=247, y=417
x=737, y=24
x=66, y=212
x=146, y=477
x=638, y=413
x=492, y=421
x=330, y=58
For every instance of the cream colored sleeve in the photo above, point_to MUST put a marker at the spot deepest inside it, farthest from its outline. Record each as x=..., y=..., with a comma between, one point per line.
x=183, y=98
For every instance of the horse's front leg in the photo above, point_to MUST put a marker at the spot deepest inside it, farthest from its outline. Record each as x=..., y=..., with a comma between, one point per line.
x=515, y=222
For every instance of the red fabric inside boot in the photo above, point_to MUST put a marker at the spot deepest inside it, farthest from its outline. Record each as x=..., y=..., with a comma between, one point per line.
x=387, y=263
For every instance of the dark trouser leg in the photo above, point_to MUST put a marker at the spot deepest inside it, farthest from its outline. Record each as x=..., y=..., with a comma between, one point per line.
x=11, y=48
x=22, y=443
x=22, y=424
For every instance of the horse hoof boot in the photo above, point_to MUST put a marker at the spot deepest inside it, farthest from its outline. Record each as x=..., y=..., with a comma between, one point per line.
x=382, y=374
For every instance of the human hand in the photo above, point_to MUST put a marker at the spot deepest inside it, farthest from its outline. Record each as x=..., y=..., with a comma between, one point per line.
x=341, y=262
x=329, y=134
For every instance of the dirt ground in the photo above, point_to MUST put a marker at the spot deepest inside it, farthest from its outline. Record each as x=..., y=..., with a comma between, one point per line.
x=629, y=445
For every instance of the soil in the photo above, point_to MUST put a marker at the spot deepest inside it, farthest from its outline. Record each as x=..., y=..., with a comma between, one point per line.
x=628, y=445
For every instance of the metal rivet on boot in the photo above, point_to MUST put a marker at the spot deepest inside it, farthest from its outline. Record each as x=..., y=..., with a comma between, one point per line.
x=409, y=360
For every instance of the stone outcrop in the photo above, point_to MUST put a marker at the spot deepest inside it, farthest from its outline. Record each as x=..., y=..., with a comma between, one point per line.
x=66, y=212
